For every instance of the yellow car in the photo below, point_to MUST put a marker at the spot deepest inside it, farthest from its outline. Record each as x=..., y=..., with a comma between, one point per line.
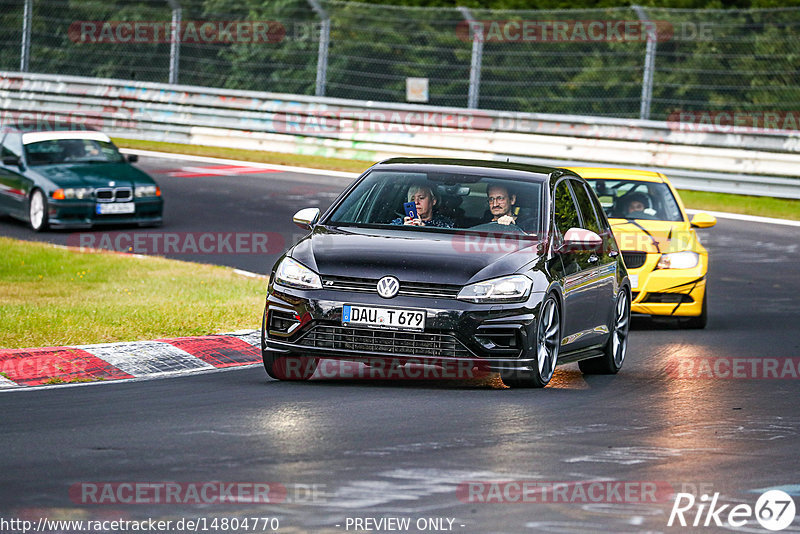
x=666, y=263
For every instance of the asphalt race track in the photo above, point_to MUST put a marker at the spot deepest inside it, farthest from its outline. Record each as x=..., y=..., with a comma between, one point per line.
x=689, y=411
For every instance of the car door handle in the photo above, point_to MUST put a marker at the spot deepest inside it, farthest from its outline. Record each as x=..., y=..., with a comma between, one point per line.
x=594, y=258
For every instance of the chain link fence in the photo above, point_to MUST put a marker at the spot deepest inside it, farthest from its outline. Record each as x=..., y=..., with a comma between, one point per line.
x=620, y=62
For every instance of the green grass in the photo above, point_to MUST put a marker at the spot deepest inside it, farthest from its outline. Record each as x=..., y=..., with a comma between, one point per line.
x=52, y=296
x=749, y=205
x=781, y=208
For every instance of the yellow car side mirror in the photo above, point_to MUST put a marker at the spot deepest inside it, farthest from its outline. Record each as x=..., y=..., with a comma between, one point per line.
x=703, y=220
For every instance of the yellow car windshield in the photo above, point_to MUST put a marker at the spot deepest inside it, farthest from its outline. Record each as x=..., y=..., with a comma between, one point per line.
x=632, y=199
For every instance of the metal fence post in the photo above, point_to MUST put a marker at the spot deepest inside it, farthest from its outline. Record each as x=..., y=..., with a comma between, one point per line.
x=25, y=53
x=175, y=41
x=324, y=40
x=649, y=65
x=477, y=58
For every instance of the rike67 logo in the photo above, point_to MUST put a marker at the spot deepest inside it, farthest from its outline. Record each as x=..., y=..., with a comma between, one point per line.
x=774, y=510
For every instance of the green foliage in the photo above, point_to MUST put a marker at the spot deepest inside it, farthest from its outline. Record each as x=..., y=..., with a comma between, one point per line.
x=718, y=56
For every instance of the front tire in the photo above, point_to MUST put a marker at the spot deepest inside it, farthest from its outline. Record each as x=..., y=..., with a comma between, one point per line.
x=548, y=342
x=614, y=352
x=290, y=368
x=37, y=211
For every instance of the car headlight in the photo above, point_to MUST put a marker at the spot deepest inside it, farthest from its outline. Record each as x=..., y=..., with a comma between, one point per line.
x=514, y=288
x=73, y=192
x=678, y=260
x=294, y=274
x=147, y=191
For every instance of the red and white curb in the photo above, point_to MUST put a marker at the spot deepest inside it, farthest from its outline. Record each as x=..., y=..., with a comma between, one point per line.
x=118, y=361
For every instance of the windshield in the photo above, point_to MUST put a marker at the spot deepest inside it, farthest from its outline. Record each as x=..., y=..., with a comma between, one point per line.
x=632, y=199
x=71, y=151
x=440, y=200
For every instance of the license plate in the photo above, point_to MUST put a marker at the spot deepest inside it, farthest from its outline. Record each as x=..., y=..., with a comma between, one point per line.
x=375, y=317
x=634, y=278
x=115, y=209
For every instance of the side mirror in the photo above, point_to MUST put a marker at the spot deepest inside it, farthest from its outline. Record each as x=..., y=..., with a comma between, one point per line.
x=10, y=161
x=580, y=239
x=132, y=158
x=306, y=218
x=703, y=220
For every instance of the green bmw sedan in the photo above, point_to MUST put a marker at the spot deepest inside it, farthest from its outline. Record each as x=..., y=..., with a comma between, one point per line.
x=73, y=179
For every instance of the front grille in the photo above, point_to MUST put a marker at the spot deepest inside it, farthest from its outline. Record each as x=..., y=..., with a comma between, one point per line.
x=119, y=194
x=123, y=194
x=385, y=341
x=634, y=260
x=407, y=289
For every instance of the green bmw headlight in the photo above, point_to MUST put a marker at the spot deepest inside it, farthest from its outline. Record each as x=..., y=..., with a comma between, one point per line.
x=142, y=191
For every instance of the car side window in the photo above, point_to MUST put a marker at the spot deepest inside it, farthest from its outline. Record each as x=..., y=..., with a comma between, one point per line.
x=588, y=215
x=12, y=146
x=601, y=215
x=565, y=211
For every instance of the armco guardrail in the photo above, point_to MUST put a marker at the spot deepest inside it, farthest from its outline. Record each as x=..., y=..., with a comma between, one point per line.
x=740, y=161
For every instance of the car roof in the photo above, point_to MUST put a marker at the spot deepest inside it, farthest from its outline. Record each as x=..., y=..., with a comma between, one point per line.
x=612, y=173
x=35, y=137
x=471, y=166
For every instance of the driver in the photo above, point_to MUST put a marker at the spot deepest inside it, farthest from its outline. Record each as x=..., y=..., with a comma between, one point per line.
x=501, y=203
x=635, y=205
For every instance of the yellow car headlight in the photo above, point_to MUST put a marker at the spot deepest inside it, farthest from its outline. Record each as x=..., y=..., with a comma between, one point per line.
x=679, y=260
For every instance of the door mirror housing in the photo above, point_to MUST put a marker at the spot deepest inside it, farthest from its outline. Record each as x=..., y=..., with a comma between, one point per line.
x=703, y=220
x=306, y=218
x=132, y=158
x=578, y=239
x=10, y=161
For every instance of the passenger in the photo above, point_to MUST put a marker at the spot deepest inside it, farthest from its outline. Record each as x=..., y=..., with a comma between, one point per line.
x=425, y=201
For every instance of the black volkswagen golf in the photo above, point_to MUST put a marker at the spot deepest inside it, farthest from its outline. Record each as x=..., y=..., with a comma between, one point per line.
x=506, y=267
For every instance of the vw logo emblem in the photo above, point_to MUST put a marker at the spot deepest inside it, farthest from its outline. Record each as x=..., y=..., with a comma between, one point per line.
x=388, y=286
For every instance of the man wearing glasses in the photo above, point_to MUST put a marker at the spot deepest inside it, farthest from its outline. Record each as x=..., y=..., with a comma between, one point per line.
x=501, y=204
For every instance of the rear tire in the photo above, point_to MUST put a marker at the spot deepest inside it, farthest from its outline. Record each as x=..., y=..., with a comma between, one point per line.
x=37, y=211
x=701, y=320
x=290, y=368
x=548, y=341
x=614, y=352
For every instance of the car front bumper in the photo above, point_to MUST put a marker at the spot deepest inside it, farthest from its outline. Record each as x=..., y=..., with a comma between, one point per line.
x=669, y=292
x=492, y=337
x=81, y=214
